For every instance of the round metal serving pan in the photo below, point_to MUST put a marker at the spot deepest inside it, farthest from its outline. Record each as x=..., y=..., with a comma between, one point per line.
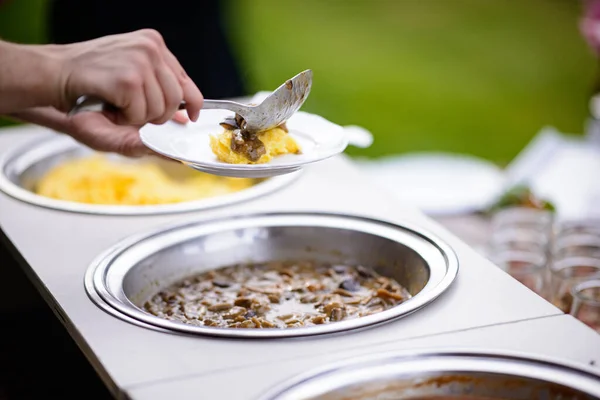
x=126, y=275
x=459, y=374
x=23, y=166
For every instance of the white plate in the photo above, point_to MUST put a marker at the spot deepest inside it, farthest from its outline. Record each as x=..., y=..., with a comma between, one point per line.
x=439, y=183
x=318, y=139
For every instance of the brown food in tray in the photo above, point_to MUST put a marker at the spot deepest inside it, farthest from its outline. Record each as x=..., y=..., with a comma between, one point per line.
x=288, y=294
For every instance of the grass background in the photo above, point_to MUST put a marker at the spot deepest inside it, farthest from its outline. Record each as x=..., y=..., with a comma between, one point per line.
x=469, y=76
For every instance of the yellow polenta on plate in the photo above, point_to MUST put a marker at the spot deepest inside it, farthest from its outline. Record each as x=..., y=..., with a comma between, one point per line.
x=276, y=141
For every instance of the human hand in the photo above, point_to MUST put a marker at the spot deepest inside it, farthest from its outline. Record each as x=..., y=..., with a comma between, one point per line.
x=134, y=72
x=97, y=131
x=94, y=130
x=181, y=117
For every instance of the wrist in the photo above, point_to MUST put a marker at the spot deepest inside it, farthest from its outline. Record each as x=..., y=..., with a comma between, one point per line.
x=49, y=81
x=30, y=75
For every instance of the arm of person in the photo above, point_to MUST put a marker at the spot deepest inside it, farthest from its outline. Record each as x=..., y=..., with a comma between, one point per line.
x=134, y=71
x=28, y=76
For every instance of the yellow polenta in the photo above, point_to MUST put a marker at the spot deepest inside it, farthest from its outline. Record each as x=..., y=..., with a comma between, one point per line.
x=98, y=180
x=276, y=141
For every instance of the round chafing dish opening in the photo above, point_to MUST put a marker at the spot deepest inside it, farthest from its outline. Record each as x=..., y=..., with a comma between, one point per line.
x=22, y=167
x=442, y=375
x=123, y=279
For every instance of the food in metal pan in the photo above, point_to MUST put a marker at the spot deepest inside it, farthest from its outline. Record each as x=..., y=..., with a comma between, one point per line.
x=99, y=180
x=289, y=294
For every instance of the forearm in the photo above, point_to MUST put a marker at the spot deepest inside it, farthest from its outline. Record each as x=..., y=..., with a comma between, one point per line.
x=44, y=116
x=29, y=76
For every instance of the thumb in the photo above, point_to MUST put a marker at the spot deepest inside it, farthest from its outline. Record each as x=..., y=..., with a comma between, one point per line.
x=96, y=131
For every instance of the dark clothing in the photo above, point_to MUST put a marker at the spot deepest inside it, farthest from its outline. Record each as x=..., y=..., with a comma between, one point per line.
x=193, y=30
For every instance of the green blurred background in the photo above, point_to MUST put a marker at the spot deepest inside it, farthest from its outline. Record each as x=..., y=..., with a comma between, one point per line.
x=468, y=76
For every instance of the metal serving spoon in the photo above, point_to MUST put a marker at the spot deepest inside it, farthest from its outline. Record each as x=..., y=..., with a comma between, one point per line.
x=277, y=108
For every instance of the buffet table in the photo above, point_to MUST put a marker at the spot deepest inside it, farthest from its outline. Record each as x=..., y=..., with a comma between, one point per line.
x=484, y=307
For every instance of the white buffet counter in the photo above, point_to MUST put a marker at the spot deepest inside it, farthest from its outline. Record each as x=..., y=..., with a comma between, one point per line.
x=484, y=308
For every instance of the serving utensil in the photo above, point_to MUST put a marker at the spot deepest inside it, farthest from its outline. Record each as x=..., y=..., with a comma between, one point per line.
x=274, y=110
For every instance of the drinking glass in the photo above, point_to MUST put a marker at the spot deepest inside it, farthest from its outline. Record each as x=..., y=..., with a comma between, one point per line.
x=523, y=218
x=576, y=245
x=519, y=239
x=520, y=229
x=575, y=227
x=586, y=303
x=565, y=274
x=528, y=268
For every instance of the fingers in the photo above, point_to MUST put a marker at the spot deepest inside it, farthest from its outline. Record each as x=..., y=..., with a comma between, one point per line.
x=193, y=99
x=155, y=99
x=172, y=94
x=96, y=131
x=99, y=133
x=175, y=84
x=135, y=72
x=130, y=145
x=191, y=94
x=181, y=117
x=133, y=108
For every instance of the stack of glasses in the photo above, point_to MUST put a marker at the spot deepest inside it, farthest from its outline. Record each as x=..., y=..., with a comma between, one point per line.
x=559, y=261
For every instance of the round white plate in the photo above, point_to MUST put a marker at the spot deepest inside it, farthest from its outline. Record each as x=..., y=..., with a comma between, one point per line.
x=318, y=139
x=439, y=183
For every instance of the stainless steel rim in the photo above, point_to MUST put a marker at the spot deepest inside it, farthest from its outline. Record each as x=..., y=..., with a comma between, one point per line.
x=459, y=360
x=51, y=144
x=114, y=301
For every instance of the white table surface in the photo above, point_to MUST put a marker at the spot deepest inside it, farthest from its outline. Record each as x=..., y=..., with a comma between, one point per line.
x=57, y=247
x=560, y=337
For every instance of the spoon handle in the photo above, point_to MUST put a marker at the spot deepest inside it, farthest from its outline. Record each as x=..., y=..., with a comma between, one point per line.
x=88, y=103
x=224, y=105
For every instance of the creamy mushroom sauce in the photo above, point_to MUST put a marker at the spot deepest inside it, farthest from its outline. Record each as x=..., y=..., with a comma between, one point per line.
x=277, y=295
